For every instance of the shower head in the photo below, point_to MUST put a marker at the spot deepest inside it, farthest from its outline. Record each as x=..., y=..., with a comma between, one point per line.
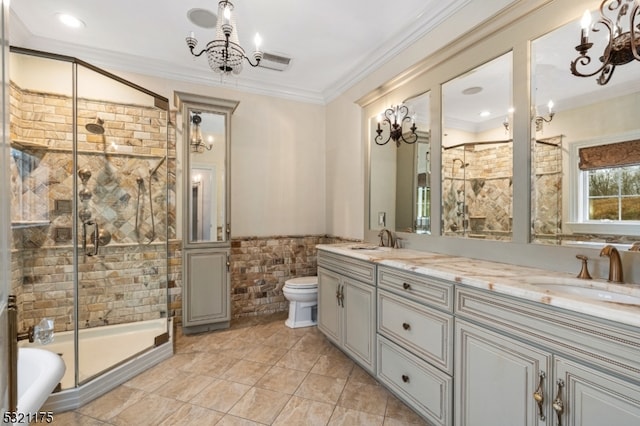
x=96, y=127
x=462, y=163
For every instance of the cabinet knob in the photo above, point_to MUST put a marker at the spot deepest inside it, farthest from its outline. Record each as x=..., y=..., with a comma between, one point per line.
x=406, y=286
x=405, y=378
x=406, y=326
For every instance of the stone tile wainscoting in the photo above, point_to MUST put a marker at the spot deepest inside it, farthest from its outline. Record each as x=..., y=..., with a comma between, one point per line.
x=261, y=265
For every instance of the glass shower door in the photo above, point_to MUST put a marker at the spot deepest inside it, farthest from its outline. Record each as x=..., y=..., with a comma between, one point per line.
x=121, y=223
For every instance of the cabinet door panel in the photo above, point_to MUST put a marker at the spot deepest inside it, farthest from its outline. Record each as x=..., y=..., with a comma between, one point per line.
x=329, y=283
x=496, y=377
x=207, y=287
x=359, y=322
x=595, y=398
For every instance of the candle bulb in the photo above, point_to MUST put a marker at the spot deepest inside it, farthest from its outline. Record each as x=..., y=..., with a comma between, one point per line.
x=227, y=15
x=258, y=41
x=192, y=34
x=585, y=23
x=550, y=105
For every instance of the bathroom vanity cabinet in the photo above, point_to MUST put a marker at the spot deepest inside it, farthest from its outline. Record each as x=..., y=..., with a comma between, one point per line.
x=475, y=349
x=346, y=306
x=522, y=363
x=415, y=341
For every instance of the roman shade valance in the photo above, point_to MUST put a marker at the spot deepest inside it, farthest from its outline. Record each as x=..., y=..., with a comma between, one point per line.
x=610, y=155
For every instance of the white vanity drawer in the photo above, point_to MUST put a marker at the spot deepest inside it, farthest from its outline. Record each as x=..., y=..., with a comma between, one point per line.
x=423, y=289
x=422, y=386
x=426, y=332
x=354, y=268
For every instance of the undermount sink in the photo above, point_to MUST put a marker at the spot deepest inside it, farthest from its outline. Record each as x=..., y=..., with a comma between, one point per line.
x=594, y=290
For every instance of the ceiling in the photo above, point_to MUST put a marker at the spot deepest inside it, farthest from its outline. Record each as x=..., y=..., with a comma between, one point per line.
x=332, y=43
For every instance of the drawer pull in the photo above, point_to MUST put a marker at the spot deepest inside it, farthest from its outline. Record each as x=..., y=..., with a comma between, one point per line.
x=405, y=378
x=406, y=326
x=557, y=404
x=406, y=286
x=538, y=396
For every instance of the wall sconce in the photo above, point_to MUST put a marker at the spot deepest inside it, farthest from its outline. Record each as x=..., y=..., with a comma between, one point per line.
x=540, y=120
x=394, y=118
x=623, y=39
x=506, y=123
x=195, y=143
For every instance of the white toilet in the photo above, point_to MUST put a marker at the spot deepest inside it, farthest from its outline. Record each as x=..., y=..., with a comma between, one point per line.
x=302, y=294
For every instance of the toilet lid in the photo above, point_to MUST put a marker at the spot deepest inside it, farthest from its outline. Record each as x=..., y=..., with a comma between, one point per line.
x=302, y=282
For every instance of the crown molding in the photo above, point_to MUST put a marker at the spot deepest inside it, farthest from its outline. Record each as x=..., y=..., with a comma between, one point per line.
x=433, y=15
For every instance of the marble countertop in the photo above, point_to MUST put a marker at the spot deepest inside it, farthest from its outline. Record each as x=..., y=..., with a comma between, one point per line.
x=519, y=281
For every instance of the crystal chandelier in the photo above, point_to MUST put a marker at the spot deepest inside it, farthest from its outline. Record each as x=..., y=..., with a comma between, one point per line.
x=623, y=32
x=224, y=53
x=195, y=142
x=394, y=118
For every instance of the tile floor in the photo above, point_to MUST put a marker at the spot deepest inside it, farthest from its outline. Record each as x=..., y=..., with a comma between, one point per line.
x=258, y=372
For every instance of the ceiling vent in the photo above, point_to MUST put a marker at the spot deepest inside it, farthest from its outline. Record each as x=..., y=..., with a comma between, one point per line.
x=275, y=62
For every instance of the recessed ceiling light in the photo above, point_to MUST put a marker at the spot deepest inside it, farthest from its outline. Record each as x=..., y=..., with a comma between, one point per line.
x=472, y=90
x=202, y=18
x=70, y=21
x=485, y=113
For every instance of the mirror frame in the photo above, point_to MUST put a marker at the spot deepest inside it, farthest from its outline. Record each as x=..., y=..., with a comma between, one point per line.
x=185, y=103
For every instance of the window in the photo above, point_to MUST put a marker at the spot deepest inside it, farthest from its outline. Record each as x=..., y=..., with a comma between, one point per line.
x=612, y=194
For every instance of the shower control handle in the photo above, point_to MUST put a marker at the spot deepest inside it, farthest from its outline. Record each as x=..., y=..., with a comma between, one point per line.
x=96, y=238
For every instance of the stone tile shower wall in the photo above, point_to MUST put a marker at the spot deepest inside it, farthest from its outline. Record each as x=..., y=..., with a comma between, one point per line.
x=547, y=190
x=260, y=267
x=484, y=187
x=127, y=282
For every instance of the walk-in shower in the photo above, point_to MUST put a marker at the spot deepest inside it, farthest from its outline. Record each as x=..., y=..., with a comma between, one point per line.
x=80, y=137
x=477, y=190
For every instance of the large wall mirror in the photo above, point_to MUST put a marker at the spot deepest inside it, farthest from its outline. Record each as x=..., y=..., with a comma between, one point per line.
x=477, y=152
x=206, y=157
x=400, y=174
x=586, y=153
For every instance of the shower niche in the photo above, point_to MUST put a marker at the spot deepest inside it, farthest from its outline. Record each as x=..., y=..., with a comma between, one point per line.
x=89, y=213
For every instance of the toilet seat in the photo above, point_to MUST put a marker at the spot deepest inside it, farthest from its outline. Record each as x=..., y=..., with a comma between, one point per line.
x=302, y=283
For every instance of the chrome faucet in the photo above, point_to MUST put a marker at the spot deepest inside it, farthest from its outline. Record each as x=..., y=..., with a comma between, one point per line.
x=389, y=235
x=615, y=264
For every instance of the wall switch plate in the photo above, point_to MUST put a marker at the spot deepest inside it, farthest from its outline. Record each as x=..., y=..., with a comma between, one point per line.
x=382, y=219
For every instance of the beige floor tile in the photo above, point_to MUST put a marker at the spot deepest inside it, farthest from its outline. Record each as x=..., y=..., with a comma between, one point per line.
x=230, y=420
x=73, y=418
x=265, y=354
x=112, y=403
x=192, y=415
x=220, y=395
x=236, y=348
x=339, y=367
x=282, y=339
x=153, y=378
x=150, y=410
x=313, y=343
x=302, y=411
x=321, y=388
x=399, y=412
x=247, y=372
x=349, y=417
x=210, y=364
x=185, y=388
x=260, y=405
x=283, y=380
x=359, y=375
x=298, y=360
x=367, y=398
